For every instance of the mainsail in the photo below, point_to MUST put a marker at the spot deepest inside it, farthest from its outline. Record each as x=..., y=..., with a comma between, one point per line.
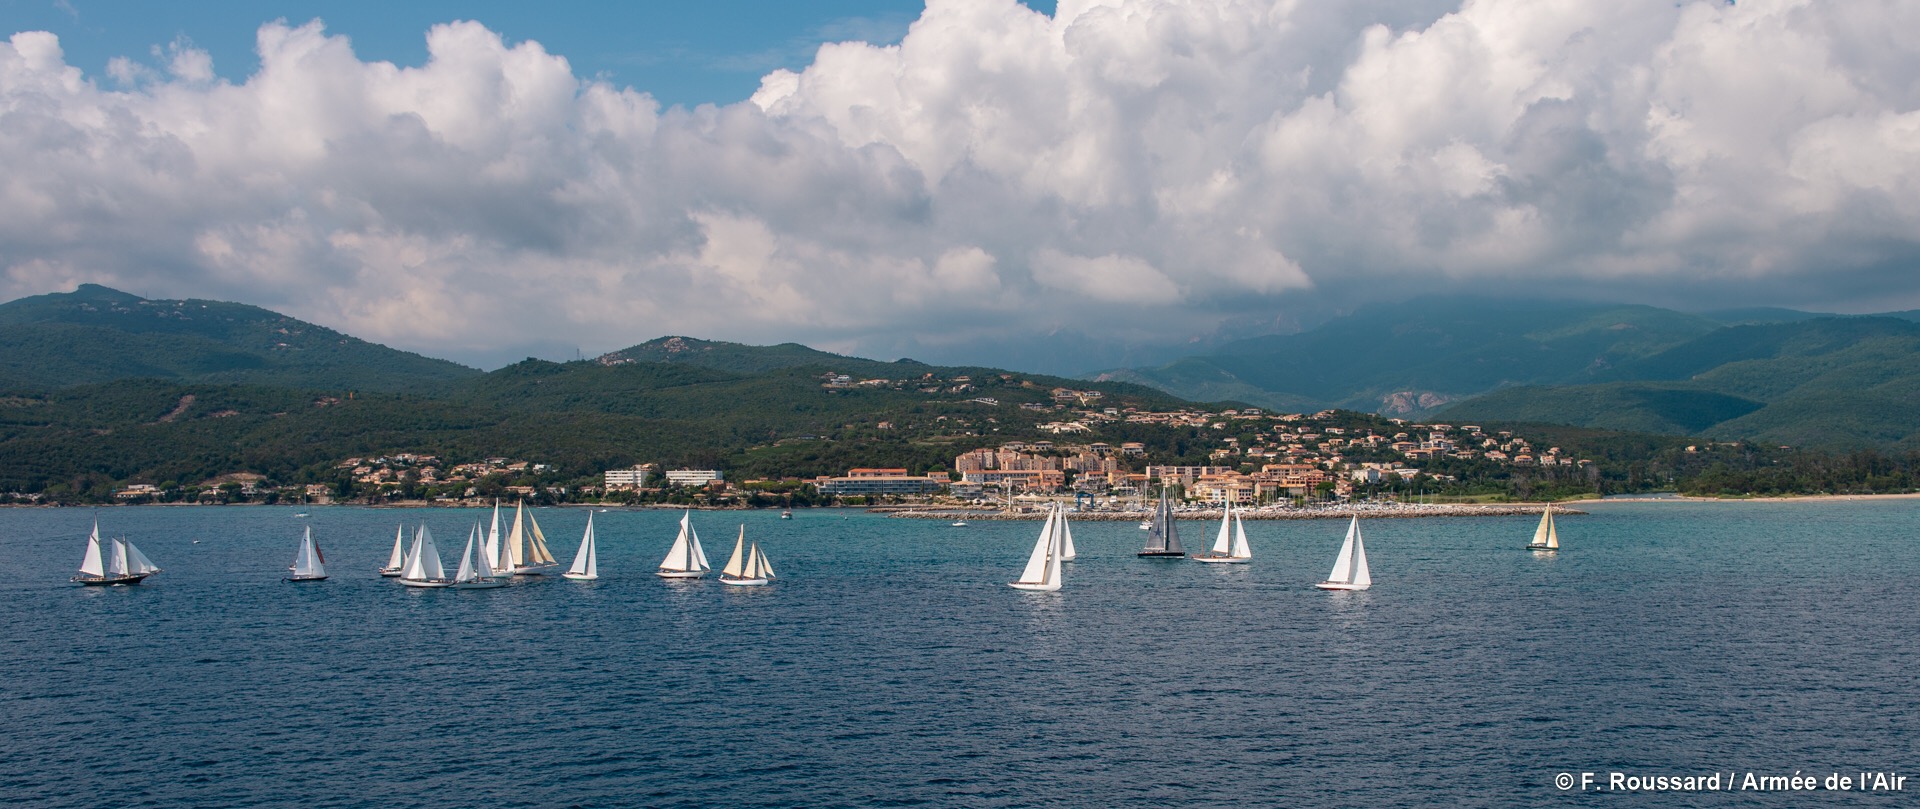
x=1163, y=538
x=586, y=562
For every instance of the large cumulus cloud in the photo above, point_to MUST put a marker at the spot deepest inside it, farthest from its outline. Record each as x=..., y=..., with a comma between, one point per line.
x=1126, y=170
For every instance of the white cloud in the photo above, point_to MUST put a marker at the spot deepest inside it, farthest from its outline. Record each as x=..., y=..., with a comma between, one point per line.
x=1126, y=162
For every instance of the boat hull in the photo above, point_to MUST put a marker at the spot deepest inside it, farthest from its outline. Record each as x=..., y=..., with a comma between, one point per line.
x=390, y=572
x=483, y=584
x=1540, y=548
x=1037, y=588
x=741, y=581
x=666, y=573
x=298, y=579
x=108, y=581
x=1340, y=585
x=535, y=570
x=1163, y=554
x=1223, y=560
x=427, y=583
x=579, y=577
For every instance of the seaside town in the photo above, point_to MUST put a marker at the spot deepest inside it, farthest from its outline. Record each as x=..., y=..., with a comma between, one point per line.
x=1253, y=459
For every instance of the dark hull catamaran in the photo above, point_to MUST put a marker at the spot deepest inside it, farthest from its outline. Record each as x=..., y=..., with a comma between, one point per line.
x=1163, y=539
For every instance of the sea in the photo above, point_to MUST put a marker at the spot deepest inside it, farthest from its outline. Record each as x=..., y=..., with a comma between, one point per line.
x=890, y=664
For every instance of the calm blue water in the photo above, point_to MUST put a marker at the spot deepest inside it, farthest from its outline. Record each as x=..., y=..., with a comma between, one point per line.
x=893, y=667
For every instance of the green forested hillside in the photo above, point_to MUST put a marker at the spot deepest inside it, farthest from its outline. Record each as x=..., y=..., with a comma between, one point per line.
x=95, y=334
x=1413, y=358
x=1829, y=382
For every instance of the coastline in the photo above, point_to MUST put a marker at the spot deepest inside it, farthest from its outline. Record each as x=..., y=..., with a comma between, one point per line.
x=1398, y=511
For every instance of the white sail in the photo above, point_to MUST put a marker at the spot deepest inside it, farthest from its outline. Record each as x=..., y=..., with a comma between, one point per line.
x=686, y=556
x=467, y=570
x=699, y=553
x=586, y=563
x=1343, y=566
x=495, y=549
x=1553, y=536
x=1043, y=565
x=737, y=566
x=765, y=567
x=1240, y=548
x=414, y=568
x=117, y=561
x=397, y=559
x=90, y=563
x=1361, y=578
x=1223, y=544
x=1066, y=539
x=423, y=560
x=537, y=544
x=138, y=564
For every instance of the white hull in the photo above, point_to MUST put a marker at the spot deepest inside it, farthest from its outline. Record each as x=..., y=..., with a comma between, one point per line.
x=483, y=584
x=1224, y=560
x=1340, y=585
x=681, y=574
x=536, y=570
x=1038, y=588
x=580, y=576
x=742, y=582
x=429, y=583
x=390, y=572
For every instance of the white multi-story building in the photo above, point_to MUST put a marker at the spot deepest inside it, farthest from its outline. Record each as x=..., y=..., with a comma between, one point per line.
x=692, y=477
x=629, y=479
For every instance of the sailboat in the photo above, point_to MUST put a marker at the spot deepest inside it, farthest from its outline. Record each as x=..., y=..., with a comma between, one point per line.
x=396, y=561
x=525, y=552
x=423, y=567
x=308, y=563
x=124, y=565
x=748, y=567
x=1163, y=538
x=1231, y=545
x=586, y=562
x=1350, y=570
x=1545, y=539
x=475, y=572
x=685, y=560
x=1042, y=572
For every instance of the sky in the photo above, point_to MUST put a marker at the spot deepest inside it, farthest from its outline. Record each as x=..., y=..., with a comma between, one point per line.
x=1056, y=189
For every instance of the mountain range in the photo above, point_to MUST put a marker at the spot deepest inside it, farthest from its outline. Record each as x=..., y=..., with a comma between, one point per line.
x=1773, y=375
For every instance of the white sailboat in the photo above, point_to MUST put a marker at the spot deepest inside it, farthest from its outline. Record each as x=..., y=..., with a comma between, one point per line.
x=308, y=563
x=586, y=561
x=1545, y=538
x=1163, y=535
x=495, y=550
x=686, y=559
x=125, y=564
x=748, y=567
x=1230, y=547
x=1042, y=572
x=1350, y=570
x=475, y=572
x=396, y=561
x=423, y=567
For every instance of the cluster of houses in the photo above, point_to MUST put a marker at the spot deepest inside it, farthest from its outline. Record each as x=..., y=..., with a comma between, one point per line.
x=392, y=472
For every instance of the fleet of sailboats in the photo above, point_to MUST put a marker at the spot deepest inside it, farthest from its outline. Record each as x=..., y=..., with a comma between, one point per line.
x=1042, y=572
x=1163, y=536
x=308, y=563
x=1350, y=569
x=525, y=552
x=685, y=560
x=586, y=561
x=748, y=567
x=1545, y=538
x=1231, y=545
x=124, y=564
